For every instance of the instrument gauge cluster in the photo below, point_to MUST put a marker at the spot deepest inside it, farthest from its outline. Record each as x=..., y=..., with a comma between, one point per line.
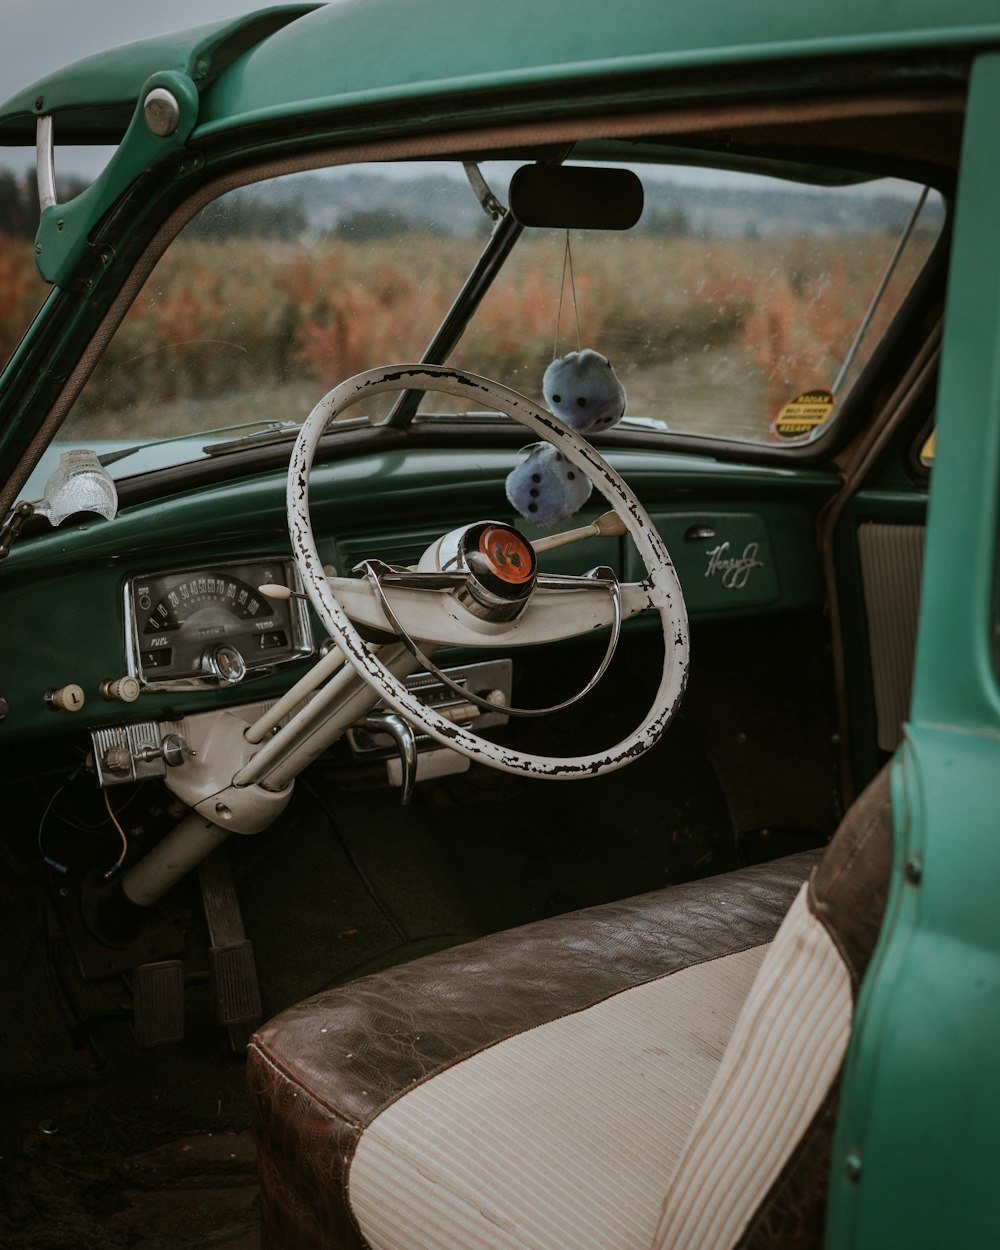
x=211, y=626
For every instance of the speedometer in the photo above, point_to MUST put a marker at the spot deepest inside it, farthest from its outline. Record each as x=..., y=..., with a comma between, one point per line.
x=216, y=597
x=211, y=626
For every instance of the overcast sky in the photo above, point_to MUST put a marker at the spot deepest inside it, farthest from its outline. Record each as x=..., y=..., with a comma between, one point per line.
x=39, y=36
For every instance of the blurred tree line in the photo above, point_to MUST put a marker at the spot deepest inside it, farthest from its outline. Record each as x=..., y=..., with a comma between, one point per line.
x=18, y=206
x=19, y=201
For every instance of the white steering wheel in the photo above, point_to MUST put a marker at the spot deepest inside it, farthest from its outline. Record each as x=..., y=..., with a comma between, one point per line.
x=430, y=608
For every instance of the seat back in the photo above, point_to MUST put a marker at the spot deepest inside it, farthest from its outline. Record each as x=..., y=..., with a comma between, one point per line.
x=754, y=1169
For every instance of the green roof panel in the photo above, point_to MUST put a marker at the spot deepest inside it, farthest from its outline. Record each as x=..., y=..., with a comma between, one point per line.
x=92, y=100
x=352, y=52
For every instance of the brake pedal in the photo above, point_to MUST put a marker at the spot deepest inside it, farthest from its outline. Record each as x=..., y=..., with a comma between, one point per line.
x=232, y=975
x=158, y=1003
x=232, y=969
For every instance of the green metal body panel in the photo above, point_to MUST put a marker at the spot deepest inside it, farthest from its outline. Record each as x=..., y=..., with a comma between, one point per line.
x=63, y=235
x=458, y=48
x=733, y=561
x=921, y=1095
x=921, y=1091
x=92, y=100
x=312, y=56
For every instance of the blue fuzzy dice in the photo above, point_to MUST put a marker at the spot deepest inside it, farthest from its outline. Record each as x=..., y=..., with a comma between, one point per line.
x=545, y=487
x=582, y=390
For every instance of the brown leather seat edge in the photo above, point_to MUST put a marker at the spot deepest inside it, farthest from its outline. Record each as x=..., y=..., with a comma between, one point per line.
x=322, y=1070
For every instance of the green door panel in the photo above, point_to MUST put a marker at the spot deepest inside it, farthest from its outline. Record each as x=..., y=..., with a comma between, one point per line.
x=921, y=1092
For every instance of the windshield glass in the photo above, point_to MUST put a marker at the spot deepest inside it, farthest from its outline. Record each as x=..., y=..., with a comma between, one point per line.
x=738, y=307
x=734, y=296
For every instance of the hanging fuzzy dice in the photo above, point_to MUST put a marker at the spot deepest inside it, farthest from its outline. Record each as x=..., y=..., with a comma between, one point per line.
x=546, y=488
x=584, y=392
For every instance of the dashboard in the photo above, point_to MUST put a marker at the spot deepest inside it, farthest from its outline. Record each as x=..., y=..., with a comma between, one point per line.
x=156, y=615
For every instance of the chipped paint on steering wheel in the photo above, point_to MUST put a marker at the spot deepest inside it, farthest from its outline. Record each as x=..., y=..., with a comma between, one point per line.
x=661, y=585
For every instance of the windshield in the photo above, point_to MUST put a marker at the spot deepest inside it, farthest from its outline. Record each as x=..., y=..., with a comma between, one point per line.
x=738, y=307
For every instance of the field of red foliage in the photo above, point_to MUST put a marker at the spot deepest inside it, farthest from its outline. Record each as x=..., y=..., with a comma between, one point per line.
x=222, y=320
x=21, y=292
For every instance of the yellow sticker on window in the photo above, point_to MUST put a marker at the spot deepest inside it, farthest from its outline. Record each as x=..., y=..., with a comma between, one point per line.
x=804, y=414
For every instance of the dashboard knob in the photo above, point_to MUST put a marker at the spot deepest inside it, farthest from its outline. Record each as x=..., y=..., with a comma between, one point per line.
x=123, y=689
x=173, y=750
x=68, y=698
x=117, y=759
x=226, y=663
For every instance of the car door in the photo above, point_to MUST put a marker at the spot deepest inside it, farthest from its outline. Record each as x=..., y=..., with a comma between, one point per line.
x=915, y=1157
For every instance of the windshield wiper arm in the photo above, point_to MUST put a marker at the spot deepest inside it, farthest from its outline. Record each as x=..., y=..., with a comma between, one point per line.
x=505, y=235
x=285, y=432
x=109, y=457
x=274, y=432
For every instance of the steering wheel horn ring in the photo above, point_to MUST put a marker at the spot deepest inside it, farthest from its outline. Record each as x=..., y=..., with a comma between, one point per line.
x=660, y=589
x=502, y=569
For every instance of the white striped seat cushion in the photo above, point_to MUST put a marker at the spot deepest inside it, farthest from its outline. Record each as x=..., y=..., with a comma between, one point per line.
x=622, y=1125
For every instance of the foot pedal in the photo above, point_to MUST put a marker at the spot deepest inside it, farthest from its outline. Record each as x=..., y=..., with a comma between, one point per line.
x=232, y=976
x=232, y=970
x=158, y=1003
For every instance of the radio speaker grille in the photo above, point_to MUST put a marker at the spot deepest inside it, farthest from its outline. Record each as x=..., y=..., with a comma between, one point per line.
x=892, y=559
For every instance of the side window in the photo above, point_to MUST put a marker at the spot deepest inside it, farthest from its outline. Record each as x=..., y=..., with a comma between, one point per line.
x=21, y=289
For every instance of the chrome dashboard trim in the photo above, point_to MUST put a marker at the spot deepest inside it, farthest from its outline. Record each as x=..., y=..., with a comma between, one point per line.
x=302, y=642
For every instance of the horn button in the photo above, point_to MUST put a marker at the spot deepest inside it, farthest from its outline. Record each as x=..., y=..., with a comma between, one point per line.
x=501, y=568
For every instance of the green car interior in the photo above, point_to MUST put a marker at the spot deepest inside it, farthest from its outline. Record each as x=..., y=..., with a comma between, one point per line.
x=472, y=773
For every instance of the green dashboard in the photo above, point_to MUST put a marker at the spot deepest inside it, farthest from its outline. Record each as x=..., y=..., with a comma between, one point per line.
x=164, y=594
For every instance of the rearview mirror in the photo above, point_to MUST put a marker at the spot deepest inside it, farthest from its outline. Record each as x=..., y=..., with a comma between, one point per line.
x=576, y=197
